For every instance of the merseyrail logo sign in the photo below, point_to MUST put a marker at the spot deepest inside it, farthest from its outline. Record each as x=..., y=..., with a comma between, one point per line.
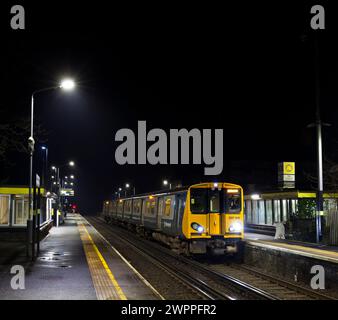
x=288, y=168
x=286, y=174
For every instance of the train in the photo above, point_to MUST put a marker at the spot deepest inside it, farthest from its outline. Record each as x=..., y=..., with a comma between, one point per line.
x=204, y=218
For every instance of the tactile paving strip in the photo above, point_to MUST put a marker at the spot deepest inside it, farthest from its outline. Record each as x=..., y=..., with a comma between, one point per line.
x=105, y=284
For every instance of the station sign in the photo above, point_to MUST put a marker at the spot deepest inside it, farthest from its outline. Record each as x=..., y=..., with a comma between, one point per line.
x=286, y=174
x=67, y=192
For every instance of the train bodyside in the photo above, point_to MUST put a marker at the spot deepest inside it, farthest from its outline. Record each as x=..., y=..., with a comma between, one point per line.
x=181, y=219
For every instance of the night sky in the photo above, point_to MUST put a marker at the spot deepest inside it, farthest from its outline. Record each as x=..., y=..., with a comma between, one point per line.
x=246, y=67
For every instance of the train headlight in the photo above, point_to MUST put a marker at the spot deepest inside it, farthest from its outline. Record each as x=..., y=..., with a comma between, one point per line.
x=197, y=227
x=236, y=227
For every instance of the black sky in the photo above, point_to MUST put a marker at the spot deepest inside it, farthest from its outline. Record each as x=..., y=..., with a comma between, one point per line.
x=245, y=67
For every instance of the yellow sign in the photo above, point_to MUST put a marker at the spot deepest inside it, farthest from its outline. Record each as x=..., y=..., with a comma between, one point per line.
x=288, y=168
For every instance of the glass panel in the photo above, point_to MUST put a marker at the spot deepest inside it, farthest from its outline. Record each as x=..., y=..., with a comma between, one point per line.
x=127, y=206
x=268, y=208
x=285, y=209
x=248, y=211
x=261, y=218
x=4, y=209
x=20, y=210
x=214, y=201
x=233, y=202
x=137, y=206
x=198, y=200
x=277, y=210
x=151, y=206
x=167, y=206
x=160, y=206
x=120, y=206
x=254, y=211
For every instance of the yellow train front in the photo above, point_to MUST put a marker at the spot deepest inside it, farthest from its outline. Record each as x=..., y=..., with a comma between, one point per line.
x=202, y=218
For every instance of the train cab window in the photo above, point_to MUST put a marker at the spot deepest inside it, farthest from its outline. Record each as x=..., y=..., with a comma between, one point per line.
x=214, y=203
x=232, y=201
x=198, y=200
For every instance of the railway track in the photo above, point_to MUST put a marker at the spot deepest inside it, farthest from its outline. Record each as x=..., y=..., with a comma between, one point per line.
x=202, y=289
x=208, y=283
x=283, y=290
x=245, y=281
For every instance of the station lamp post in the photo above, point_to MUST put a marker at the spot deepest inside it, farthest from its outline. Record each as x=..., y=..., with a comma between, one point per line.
x=318, y=125
x=44, y=177
x=66, y=84
x=127, y=186
x=166, y=183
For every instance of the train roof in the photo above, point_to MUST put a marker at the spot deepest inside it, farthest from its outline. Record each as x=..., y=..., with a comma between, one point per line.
x=180, y=189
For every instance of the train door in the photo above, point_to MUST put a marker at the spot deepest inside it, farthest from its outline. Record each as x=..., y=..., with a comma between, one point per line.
x=180, y=198
x=199, y=220
x=159, y=212
x=215, y=216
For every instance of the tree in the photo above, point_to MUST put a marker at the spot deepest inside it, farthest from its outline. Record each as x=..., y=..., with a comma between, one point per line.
x=14, y=137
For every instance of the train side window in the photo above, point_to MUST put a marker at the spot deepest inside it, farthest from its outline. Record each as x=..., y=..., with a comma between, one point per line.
x=198, y=200
x=160, y=206
x=153, y=206
x=127, y=206
x=120, y=206
x=137, y=206
x=150, y=206
x=167, y=206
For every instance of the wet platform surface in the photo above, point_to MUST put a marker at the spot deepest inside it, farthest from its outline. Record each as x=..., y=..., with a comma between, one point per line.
x=75, y=263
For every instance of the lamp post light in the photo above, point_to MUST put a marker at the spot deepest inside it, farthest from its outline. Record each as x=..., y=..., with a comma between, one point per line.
x=166, y=183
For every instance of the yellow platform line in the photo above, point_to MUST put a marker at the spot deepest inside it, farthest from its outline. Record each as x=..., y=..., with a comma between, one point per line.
x=305, y=249
x=105, y=284
x=297, y=249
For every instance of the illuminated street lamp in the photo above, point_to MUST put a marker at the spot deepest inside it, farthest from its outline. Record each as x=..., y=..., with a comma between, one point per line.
x=166, y=183
x=67, y=84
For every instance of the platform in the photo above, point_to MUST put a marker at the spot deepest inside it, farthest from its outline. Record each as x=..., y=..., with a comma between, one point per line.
x=75, y=263
x=311, y=250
